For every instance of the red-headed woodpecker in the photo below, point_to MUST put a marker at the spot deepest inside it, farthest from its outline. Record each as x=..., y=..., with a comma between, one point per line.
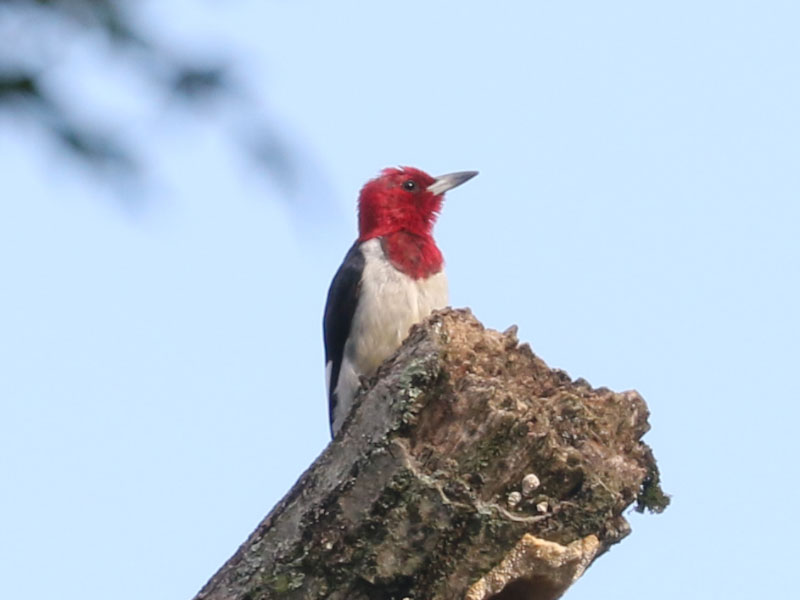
x=392, y=277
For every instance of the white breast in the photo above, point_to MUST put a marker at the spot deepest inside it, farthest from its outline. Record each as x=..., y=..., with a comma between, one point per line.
x=390, y=302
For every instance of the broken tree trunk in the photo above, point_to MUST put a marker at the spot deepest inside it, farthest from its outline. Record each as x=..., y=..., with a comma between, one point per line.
x=468, y=470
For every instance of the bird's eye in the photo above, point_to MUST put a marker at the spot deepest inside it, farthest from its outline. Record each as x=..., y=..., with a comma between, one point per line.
x=410, y=185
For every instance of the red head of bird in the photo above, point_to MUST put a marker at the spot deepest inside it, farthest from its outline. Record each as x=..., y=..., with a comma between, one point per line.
x=400, y=206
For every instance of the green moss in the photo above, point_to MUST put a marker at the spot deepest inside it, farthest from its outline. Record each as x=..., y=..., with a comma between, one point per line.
x=499, y=445
x=393, y=494
x=651, y=496
x=281, y=583
x=417, y=376
x=422, y=377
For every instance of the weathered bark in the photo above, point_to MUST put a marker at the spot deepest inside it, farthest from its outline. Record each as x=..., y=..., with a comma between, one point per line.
x=468, y=470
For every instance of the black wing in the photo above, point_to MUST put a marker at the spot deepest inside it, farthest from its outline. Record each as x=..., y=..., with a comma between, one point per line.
x=339, y=311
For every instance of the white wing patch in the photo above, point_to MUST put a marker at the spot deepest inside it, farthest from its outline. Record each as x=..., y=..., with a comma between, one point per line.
x=346, y=389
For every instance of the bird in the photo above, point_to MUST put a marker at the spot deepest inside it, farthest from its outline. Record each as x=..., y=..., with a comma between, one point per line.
x=391, y=278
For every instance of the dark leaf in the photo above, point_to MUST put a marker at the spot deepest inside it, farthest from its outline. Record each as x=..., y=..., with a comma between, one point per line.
x=94, y=148
x=199, y=81
x=18, y=86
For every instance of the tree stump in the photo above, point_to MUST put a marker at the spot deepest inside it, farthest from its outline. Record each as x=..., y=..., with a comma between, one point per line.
x=468, y=469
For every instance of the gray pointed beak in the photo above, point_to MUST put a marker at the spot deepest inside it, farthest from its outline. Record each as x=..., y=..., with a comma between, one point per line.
x=448, y=182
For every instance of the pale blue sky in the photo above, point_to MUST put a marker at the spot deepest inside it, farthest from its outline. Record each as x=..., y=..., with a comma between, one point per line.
x=161, y=376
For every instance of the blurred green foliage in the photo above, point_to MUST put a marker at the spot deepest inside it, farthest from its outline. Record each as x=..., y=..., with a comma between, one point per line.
x=26, y=87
